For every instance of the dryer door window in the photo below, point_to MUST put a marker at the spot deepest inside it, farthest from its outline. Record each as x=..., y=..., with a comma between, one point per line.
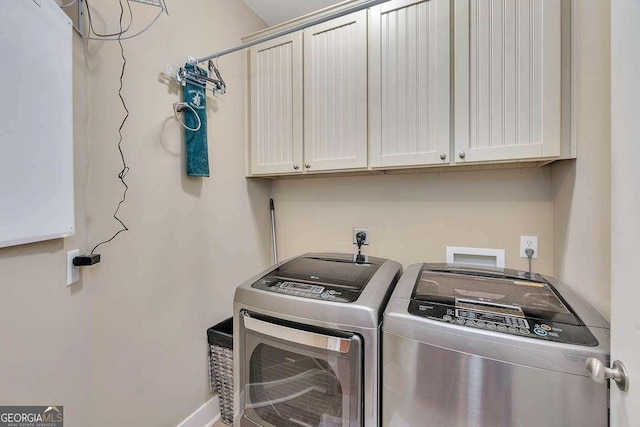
x=287, y=383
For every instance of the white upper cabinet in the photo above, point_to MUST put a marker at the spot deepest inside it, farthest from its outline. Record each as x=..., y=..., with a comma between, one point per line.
x=412, y=83
x=409, y=83
x=507, y=79
x=335, y=94
x=276, y=106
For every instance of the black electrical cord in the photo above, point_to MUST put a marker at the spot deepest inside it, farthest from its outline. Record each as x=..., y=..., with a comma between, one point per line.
x=361, y=237
x=125, y=167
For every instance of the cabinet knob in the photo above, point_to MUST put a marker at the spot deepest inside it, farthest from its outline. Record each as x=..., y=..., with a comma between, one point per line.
x=296, y=167
x=462, y=154
x=443, y=156
x=307, y=165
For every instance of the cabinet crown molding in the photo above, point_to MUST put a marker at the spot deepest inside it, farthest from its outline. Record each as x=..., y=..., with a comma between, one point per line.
x=302, y=19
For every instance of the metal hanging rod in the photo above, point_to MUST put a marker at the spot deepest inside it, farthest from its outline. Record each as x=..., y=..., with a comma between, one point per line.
x=290, y=30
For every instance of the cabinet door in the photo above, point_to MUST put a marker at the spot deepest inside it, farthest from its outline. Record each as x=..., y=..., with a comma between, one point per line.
x=276, y=106
x=507, y=79
x=335, y=94
x=409, y=86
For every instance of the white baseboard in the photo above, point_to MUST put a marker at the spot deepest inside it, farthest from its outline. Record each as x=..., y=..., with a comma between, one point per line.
x=205, y=416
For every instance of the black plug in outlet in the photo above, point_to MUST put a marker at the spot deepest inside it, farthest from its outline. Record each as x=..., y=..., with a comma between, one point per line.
x=86, y=259
x=366, y=234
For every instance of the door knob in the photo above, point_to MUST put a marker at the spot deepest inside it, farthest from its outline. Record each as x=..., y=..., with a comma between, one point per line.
x=462, y=154
x=443, y=156
x=296, y=167
x=307, y=165
x=600, y=373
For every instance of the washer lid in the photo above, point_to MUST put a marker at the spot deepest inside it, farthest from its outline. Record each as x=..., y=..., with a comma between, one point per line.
x=501, y=293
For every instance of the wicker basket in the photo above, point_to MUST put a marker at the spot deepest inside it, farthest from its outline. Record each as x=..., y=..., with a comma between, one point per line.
x=221, y=366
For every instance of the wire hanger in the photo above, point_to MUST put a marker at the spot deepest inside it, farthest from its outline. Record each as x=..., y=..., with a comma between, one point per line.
x=216, y=85
x=220, y=87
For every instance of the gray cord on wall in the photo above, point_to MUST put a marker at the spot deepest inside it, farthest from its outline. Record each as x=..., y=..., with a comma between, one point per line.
x=529, y=252
x=119, y=35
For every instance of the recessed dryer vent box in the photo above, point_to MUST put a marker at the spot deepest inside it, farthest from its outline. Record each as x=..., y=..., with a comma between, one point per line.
x=476, y=256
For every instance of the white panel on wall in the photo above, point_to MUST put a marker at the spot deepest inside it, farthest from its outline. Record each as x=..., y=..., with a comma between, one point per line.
x=507, y=84
x=335, y=107
x=476, y=256
x=409, y=87
x=36, y=123
x=276, y=104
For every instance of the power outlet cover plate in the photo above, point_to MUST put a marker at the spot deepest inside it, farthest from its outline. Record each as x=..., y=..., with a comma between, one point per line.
x=73, y=272
x=528, y=242
x=356, y=231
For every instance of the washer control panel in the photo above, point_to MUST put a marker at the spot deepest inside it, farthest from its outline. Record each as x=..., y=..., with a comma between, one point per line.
x=513, y=325
x=493, y=318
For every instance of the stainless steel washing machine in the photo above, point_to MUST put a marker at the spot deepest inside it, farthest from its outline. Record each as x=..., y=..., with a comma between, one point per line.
x=306, y=342
x=490, y=348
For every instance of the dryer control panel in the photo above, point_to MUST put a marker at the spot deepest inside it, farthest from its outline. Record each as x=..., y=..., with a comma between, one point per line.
x=306, y=290
x=329, y=277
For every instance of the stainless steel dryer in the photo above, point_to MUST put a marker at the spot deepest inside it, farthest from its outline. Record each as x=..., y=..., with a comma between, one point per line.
x=306, y=342
x=490, y=348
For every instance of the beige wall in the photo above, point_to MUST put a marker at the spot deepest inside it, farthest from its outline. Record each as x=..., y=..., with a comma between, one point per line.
x=412, y=218
x=127, y=345
x=192, y=240
x=581, y=188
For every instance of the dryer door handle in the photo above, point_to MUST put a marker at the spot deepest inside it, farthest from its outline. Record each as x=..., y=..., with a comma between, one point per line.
x=299, y=336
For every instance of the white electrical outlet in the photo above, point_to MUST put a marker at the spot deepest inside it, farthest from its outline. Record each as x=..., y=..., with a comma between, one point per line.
x=73, y=272
x=356, y=231
x=528, y=242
